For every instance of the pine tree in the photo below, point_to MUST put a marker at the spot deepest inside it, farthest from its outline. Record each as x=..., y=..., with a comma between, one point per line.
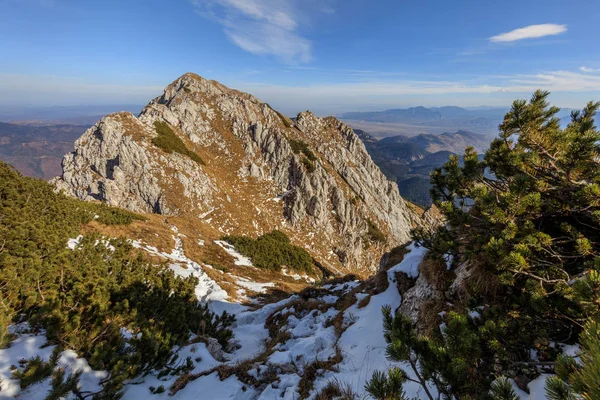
x=579, y=378
x=525, y=219
x=501, y=389
x=84, y=298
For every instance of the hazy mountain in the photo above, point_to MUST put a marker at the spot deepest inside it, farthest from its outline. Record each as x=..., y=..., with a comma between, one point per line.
x=37, y=150
x=76, y=115
x=434, y=120
x=410, y=160
x=409, y=115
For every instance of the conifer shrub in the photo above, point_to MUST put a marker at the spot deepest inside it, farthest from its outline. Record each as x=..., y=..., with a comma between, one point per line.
x=300, y=147
x=83, y=298
x=62, y=384
x=272, y=251
x=308, y=157
x=526, y=218
x=36, y=370
x=374, y=233
x=107, y=215
x=309, y=165
x=169, y=142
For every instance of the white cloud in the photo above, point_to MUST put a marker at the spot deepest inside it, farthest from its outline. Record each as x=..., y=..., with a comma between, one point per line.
x=470, y=91
x=374, y=91
x=266, y=27
x=530, y=32
x=589, y=70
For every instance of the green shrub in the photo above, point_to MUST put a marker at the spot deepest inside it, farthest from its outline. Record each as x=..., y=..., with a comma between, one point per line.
x=310, y=166
x=168, y=141
x=110, y=215
x=300, y=146
x=272, y=251
x=525, y=220
x=63, y=385
x=83, y=298
x=374, y=233
x=36, y=370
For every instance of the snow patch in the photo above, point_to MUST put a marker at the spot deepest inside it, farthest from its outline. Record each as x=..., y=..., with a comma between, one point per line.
x=239, y=259
x=258, y=287
x=72, y=243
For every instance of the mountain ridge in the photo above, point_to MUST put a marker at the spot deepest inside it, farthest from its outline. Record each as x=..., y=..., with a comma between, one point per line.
x=327, y=194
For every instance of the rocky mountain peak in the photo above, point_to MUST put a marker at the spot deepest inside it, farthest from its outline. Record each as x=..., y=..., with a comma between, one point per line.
x=233, y=165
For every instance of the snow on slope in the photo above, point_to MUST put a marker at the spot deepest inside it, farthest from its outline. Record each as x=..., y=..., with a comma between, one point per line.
x=310, y=335
x=27, y=346
x=362, y=343
x=239, y=259
x=207, y=289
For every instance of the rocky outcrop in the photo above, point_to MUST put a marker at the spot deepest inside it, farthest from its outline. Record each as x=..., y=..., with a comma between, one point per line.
x=311, y=177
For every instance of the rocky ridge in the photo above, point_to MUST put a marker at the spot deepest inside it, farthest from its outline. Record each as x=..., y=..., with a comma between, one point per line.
x=328, y=196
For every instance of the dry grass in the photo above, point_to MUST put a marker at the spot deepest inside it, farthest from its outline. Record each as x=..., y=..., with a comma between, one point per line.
x=336, y=390
x=430, y=319
x=313, y=370
x=436, y=273
x=404, y=282
x=364, y=302
x=395, y=256
x=480, y=281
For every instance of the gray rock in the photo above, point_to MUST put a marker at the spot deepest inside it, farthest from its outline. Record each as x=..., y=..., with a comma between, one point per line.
x=115, y=161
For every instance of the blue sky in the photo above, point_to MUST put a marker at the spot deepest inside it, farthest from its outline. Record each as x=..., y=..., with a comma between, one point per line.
x=326, y=55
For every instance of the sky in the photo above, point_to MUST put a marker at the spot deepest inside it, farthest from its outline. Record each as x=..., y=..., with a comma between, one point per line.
x=329, y=56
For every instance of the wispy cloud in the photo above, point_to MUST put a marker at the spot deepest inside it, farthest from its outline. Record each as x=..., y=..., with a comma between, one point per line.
x=266, y=27
x=529, y=32
x=589, y=70
x=466, y=91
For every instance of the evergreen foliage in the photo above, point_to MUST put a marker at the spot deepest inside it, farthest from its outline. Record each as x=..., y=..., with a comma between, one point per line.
x=526, y=220
x=579, y=379
x=300, y=147
x=272, y=251
x=309, y=165
x=308, y=158
x=168, y=141
x=501, y=389
x=84, y=298
x=35, y=371
x=63, y=385
x=374, y=233
x=387, y=387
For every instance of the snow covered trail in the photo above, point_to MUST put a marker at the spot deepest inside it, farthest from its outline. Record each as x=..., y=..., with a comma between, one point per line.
x=307, y=336
x=363, y=345
x=207, y=289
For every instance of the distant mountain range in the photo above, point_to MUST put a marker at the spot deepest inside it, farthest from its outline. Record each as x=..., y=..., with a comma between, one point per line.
x=73, y=115
x=435, y=120
x=409, y=160
x=37, y=150
x=479, y=120
x=422, y=114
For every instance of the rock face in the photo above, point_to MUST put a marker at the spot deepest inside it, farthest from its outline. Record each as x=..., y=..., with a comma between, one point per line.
x=311, y=177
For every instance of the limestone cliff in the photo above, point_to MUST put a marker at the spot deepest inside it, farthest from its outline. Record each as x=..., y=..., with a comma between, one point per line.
x=310, y=177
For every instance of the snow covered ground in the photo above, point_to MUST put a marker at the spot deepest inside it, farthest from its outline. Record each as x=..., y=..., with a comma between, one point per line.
x=239, y=259
x=207, y=289
x=306, y=330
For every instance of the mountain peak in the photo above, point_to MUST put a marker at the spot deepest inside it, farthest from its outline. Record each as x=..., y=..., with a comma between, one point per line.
x=229, y=164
